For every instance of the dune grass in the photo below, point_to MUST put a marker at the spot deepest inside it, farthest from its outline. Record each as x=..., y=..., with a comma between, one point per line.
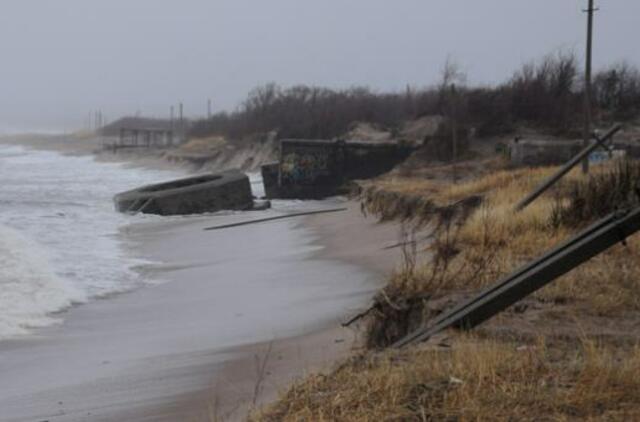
x=563, y=377
x=494, y=240
x=475, y=379
x=208, y=144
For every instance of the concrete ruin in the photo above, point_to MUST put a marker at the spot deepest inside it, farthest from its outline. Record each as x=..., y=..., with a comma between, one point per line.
x=541, y=153
x=229, y=190
x=313, y=169
x=529, y=152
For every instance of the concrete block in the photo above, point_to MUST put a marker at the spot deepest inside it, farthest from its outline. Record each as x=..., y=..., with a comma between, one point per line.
x=229, y=190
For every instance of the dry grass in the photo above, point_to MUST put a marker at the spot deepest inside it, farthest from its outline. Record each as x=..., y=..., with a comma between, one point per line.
x=576, y=378
x=595, y=198
x=474, y=380
x=212, y=143
x=492, y=241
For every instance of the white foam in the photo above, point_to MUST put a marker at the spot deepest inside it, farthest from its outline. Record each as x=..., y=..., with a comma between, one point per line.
x=29, y=289
x=60, y=240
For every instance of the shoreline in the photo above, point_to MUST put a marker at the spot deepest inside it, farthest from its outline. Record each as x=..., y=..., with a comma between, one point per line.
x=256, y=373
x=318, y=350
x=192, y=157
x=345, y=238
x=91, y=146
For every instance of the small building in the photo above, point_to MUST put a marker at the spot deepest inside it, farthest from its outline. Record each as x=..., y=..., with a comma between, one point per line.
x=140, y=132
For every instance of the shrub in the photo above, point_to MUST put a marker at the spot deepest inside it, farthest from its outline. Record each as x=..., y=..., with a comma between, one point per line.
x=546, y=94
x=599, y=195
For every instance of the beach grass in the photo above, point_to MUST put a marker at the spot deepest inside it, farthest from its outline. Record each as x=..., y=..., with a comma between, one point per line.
x=473, y=379
x=494, y=240
x=575, y=356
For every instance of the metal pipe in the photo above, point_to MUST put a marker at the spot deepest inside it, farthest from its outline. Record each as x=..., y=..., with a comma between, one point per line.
x=566, y=168
x=279, y=217
x=590, y=242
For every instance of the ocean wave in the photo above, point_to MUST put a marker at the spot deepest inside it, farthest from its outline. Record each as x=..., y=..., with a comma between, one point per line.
x=30, y=291
x=59, y=235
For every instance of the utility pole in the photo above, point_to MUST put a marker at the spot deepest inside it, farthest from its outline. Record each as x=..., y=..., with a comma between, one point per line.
x=182, y=134
x=172, y=125
x=587, y=84
x=209, y=109
x=454, y=135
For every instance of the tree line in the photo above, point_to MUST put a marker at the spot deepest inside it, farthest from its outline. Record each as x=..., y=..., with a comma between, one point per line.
x=546, y=94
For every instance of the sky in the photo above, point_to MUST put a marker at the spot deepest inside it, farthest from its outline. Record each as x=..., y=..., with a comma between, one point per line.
x=62, y=59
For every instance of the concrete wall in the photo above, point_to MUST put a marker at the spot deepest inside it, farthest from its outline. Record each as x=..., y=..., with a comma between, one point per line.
x=541, y=153
x=229, y=190
x=309, y=163
x=270, y=179
x=316, y=169
x=632, y=148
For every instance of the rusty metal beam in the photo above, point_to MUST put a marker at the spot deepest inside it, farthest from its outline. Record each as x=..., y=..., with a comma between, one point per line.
x=542, y=188
x=278, y=217
x=592, y=241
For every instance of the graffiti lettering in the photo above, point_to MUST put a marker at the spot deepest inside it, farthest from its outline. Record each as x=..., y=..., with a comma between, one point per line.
x=305, y=165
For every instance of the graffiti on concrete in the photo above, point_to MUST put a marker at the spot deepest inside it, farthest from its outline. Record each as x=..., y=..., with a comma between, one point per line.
x=305, y=166
x=319, y=168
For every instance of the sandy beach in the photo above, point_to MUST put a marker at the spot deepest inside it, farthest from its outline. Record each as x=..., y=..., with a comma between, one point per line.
x=235, y=317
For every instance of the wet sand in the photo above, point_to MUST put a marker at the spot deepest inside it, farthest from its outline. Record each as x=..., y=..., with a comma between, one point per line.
x=159, y=353
x=188, y=349
x=346, y=237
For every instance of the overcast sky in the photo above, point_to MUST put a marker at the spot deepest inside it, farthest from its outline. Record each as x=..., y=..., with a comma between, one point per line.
x=62, y=58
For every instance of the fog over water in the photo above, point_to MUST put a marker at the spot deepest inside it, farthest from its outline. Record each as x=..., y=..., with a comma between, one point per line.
x=63, y=58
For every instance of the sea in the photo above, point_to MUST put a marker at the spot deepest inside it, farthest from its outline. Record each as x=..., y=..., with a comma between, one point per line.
x=105, y=314
x=60, y=238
